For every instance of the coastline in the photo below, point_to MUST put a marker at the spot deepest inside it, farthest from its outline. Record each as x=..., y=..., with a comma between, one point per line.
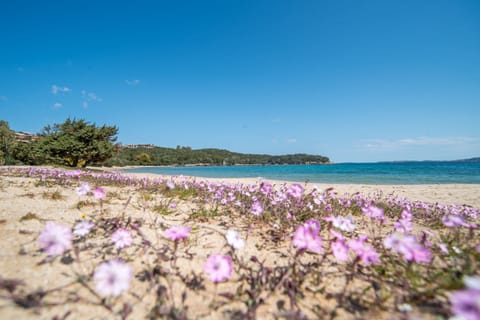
x=443, y=194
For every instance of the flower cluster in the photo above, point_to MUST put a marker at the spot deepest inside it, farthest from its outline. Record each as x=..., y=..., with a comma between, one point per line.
x=372, y=238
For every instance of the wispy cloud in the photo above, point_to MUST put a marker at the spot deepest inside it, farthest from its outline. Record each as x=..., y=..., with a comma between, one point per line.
x=291, y=140
x=89, y=97
x=56, y=89
x=3, y=98
x=383, y=144
x=20, y=69
x=57, y=105
x=276, y=120
x=134, y=82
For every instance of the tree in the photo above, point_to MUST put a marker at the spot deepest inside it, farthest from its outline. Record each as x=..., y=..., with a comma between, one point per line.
x=77, y=143
x=143, y=159
x=30, y=153
x=7, y=143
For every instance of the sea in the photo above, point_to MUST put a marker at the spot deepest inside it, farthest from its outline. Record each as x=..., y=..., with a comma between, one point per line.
x=423, y=172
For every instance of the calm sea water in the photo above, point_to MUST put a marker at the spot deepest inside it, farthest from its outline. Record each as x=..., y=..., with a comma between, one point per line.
x=361, y=173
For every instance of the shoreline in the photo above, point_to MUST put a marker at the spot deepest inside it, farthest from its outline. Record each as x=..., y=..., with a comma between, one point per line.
x=444, y=194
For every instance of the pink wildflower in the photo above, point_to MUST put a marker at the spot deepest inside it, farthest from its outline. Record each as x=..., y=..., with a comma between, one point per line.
x=454, y=220
x=365, y=252
x=257, y=208
x=265, y=188
x=218, y=267
x=122, y=238
x=329, y=208
x=99, y=193
x=340, y=250
x=408, y=246
x=305, y=239
x=313, y=225
x=404, y=225
x=295, y=191
x=466, y=303
x=374, y=213
x=83, y=190
x=55, y=238
x=443, y=247
x=82, y=228
x=176, y=233
x=336, y=234
x=320, y=199
x=112, y=278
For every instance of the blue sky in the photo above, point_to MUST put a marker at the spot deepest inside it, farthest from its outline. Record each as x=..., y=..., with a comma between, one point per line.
x=352, y=80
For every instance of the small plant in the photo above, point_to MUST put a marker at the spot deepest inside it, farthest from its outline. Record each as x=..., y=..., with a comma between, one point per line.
x=30, y=216
x=52, y=195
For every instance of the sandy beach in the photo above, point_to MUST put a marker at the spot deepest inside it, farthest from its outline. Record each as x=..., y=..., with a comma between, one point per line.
x=27, y=203
x=444, y=194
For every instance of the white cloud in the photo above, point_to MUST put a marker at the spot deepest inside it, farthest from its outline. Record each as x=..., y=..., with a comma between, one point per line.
x=383, y=144
x=85, y=104
x=56, y=89
x=134, y=82
x=291, y=140
x=57, y=105
x=91, y=96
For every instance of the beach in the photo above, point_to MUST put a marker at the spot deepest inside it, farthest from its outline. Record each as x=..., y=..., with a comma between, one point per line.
x=444, y=194
x=145, y=205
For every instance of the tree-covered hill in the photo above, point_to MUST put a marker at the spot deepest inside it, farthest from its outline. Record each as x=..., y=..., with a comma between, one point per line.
x=152, y=155
x=78, y=143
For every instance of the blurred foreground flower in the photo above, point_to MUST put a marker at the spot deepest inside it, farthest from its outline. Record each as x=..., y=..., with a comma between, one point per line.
x=99, y=193
x=374, y=213
x=176, y=233
x=83, y=190
x=454, y=220
x=313, y=225
x=466, y=303
x=307, y=239
x=218, y=267
x=346, y=224
x=408, y=246
x=112, y=278
x=83, y=228
x=365, y=252
x=234, y=239
x=122, y=238
x=55, y=238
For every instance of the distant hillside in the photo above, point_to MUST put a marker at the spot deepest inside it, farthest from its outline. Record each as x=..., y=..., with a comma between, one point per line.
x=158, y=156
